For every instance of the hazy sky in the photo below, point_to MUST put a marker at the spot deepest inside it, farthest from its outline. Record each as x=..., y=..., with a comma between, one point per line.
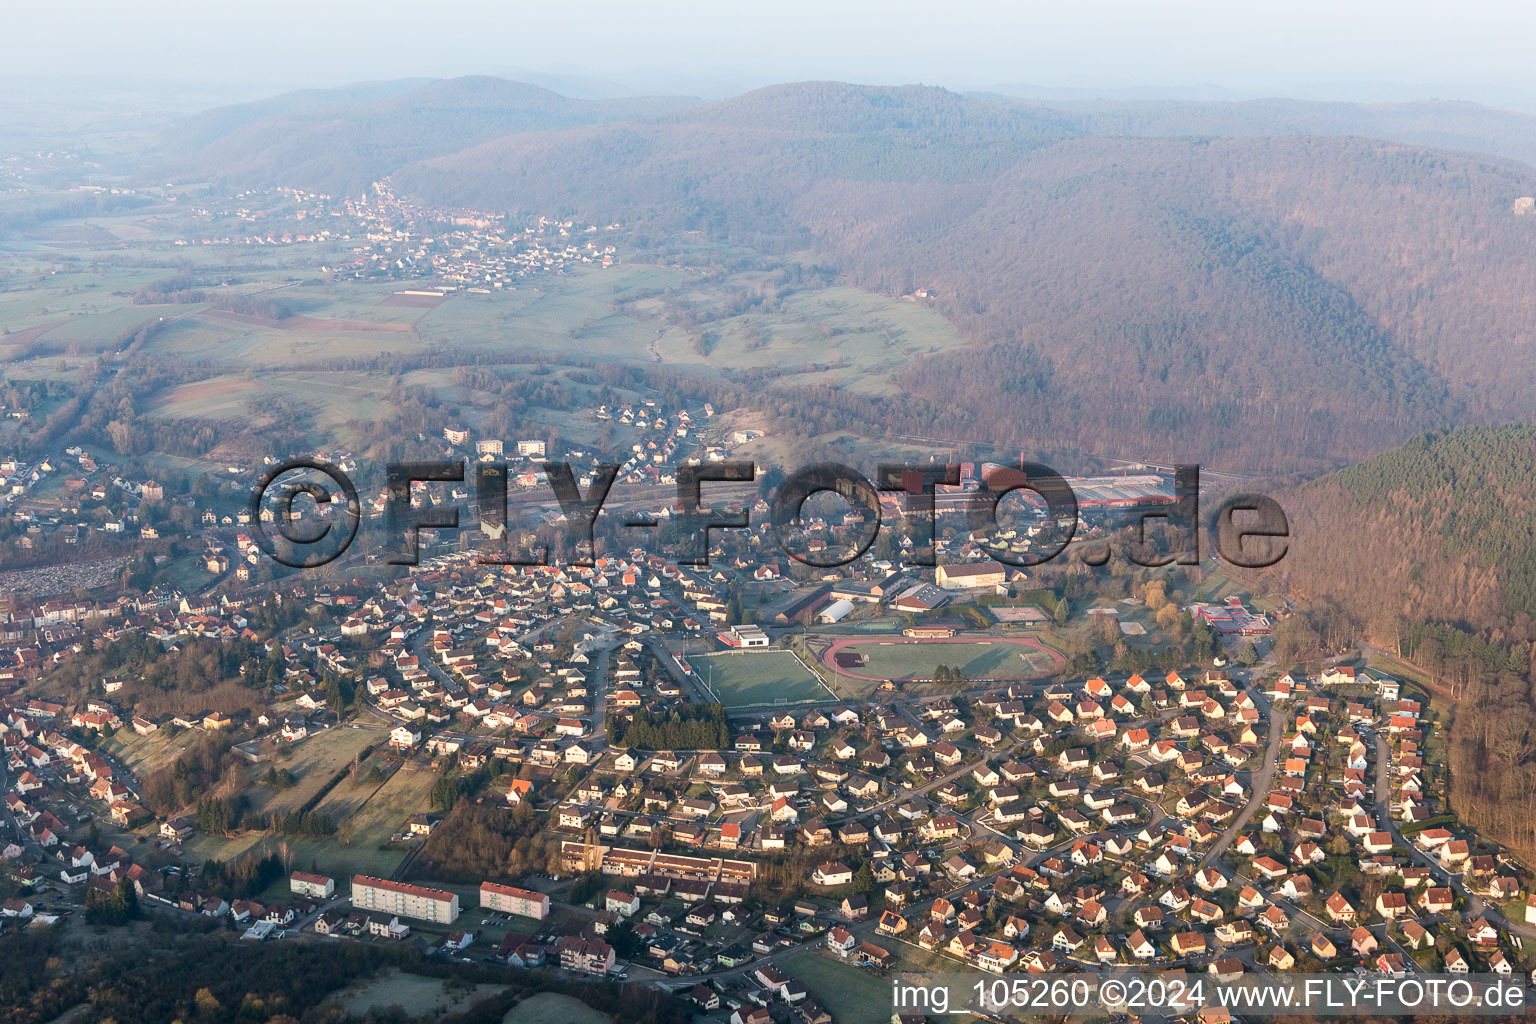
x=1471, y=49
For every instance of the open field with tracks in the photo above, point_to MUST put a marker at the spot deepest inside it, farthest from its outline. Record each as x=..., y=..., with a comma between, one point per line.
x=367, y=813
x=314, y=762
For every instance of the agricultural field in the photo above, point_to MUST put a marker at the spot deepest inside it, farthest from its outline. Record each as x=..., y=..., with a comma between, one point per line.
x=330, y=855
x=328, y=364
x=314, y=762
x=574, y=312
x=836, y=336
x=366, y=815
x=904, y=659
x=372, y=822
x=334, y=398
x=743, y=678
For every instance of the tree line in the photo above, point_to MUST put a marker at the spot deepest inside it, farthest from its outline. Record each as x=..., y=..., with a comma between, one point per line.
x=689, y=727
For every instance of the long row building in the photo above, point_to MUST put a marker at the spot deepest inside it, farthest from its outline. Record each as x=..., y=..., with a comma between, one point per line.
x=509, y=899
x=404, y=900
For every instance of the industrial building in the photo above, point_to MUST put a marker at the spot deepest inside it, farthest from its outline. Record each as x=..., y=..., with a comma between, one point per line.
x=836, y=611
x=800, y=609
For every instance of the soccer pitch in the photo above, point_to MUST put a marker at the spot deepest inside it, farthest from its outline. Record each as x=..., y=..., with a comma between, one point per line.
x=743, y=678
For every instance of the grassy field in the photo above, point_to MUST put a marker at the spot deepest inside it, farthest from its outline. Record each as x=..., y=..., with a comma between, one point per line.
x=354, y=791
x=418, y=996
x=553, y=1008
x=59, y=317
x=336, y=397
x=1215, y=587
x=366, y=814
x=314, y=761
x=406, y=793
x=979, y=659
x=758, y=677
x=836, y=336
x=267, y=361
x=330, y=855
x=143, y=754
x=851, y=994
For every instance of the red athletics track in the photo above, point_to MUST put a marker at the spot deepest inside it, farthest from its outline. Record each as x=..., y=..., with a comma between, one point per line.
x=1059, y=663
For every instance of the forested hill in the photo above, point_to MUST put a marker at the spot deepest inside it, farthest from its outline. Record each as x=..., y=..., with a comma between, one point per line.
x=1442, y=529
x=1440, y=124
x=1433, y=546
x=1431, y=549
x=743, y=167
x=339, y=140
x=185, y=137
x=1262, y=303
x=1276, y=303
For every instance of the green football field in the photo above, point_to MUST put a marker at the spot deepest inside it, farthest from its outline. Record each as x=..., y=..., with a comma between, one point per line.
x=741, y=678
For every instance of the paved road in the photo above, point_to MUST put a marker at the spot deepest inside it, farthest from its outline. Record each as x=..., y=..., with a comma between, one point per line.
x=1315, y=923
x=597, y=677
x=663, y=654
x=1259, y=782
x=903, y=793
x=22, y=835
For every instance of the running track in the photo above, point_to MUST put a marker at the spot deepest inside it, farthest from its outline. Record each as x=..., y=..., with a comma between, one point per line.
x=1059, y=663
